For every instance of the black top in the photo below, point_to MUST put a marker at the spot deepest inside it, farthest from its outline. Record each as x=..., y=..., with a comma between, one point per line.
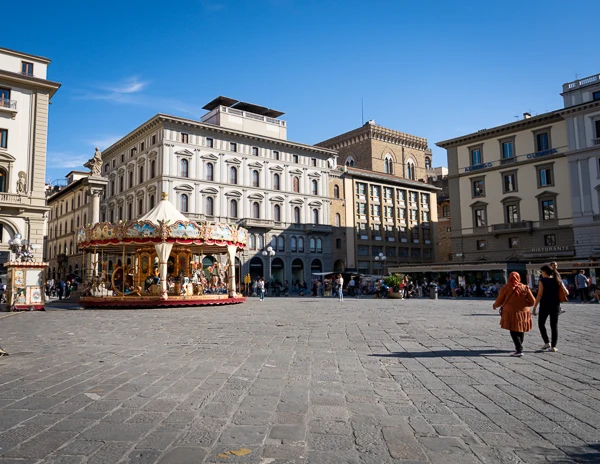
x=550, y=297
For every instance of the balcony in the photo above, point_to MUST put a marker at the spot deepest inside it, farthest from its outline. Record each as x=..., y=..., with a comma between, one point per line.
x=12, y=199
x=9, y=106
x=255, y=222
x=318, y=228
x=596, y=141
x=510, y=227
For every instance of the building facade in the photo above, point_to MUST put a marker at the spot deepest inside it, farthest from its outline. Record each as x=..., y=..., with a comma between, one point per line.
x=444, y=226
x=338, y=220
x=510, y=197
x=25, y=94
x=377, y=148
x=235, y=165
x=582, y=116
x=70, y=206
x=389, y=217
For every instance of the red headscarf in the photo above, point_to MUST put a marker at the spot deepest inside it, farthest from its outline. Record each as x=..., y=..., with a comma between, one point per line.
x=514, y=282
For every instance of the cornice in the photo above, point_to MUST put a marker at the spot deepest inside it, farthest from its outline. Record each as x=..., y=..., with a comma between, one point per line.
x=31, y=82
x=375, y=132
x=580, y=108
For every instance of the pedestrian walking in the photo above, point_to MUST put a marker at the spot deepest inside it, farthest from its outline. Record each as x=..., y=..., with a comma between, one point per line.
x=581, y=283
x=514, y=301
x=548, y=299
x=261, y=288
x=340, y=287
x=554, y=267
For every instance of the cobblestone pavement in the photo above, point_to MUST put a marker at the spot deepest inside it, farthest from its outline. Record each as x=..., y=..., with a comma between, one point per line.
x=298, y=380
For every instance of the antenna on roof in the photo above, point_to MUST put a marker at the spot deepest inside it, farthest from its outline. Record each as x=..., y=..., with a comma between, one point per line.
x=362, y=111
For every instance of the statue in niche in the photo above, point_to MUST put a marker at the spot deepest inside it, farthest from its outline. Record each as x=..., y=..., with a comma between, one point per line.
x=22, y=183
x=95, y=164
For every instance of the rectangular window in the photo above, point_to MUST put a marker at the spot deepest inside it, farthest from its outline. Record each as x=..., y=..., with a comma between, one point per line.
x=427, y=253
x=233, y=146
x=545, y=177
x=122, y=158
x=376, y=250
x=5, y=98
x=313, y=161
x=547, y=210
x=403, y=252
x=276, y=155
x=597, y=128
x=364, y=267
x=375, y=191
x=363, y=250
x=210, y=143
x=390, y=252
x=481, y=245
x=425, y=199
x=295, y=158
x=132, y=152
x=185, y=138
x=362, y=208
x=114, y=162
x=3, y=138
x=389, y=212
x=154, y=140
x=596, y=96
x=425, y=216
x=361, y=188
x=509, y=182
x=413, y=198
x=542, y=141
x=550, y=240
x=427, y=235
x=512, y=214
x=478, y=188
x=255, y=151
x=26, y=68
x=476, y=156
x=480, y=220
x=389, y=193
x=142, y=146
x=507, y=150
x=415, y=253
x=513, y=242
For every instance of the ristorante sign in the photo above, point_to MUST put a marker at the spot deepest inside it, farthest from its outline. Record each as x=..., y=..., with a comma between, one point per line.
x=550, y=249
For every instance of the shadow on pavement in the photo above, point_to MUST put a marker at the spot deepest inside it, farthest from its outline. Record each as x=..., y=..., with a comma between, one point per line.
x=582, y=454
x=440, y=354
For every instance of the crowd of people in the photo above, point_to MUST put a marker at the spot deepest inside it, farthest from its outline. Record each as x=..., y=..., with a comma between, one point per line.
x=60, y=288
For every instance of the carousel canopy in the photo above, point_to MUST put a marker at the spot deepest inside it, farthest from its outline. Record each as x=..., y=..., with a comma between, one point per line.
x=164, y=223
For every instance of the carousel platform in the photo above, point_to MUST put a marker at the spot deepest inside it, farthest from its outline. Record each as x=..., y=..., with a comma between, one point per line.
x=149, y=302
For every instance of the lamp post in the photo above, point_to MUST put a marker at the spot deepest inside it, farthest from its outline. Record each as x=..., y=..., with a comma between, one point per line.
x=270, y=252
x=381, y=257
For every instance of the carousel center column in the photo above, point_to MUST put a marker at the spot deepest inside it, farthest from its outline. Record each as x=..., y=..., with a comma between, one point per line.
x=231, y=250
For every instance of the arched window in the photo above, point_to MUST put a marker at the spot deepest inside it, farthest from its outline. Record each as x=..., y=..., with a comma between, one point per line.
x=77, y=222
x=336, y=191
x=313, y=245
x=350, y=161
x=315, y=187
x=319, y=245
x=338, y=220
x=296, y=184
x=140, y=206
x=300, y=245
x=59, y=230
x=79, y=201
x=233, y=210
x=184, y=168
x=410, y=170
x=84, y=219
x=255, y=210
x=388, y=165
x=315, y=213
x=151, y=201
x=210, y=174
x=277, y=213
x=293, y=245
x=184, y=203
x=3, y=180
x=209, y=206
x=255, y=179
x=296, y=215
x=252, y=242
x=273, y=242
x=276, y=182
x=141, y=174
x=153, y=169
x=130, y=182
x=427, y=164
x=233, y=175
x=71, y=226
x=259, y=242
x=71, y=247
x=280, y=243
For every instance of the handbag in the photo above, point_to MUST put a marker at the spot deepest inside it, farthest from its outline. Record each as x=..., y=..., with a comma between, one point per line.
x=500, y=308
x=563, y=294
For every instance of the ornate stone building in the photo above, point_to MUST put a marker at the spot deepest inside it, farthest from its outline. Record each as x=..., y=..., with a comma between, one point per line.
x=25, y=94
x=71, y=206
x=377, y=148
x=234, y=165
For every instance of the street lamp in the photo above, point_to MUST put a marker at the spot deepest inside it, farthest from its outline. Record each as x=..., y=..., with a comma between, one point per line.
x=270, y=252
x=381, y=257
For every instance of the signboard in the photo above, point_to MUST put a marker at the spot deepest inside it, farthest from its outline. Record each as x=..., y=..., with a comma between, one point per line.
x=476, y=167
x=551, y=151
x=550, y=249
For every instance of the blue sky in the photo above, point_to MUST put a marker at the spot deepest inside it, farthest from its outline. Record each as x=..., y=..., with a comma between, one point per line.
x=433, y=69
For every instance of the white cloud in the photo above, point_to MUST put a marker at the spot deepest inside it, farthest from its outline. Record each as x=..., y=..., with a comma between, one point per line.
x=129, y=85
x=66, y=160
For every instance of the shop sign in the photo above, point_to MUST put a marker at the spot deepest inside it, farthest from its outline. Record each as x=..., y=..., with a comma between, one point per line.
x=478, y=166
x=550, y=249
x=551, y=151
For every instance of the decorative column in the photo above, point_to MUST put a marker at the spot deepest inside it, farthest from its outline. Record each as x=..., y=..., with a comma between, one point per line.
x=231, y=250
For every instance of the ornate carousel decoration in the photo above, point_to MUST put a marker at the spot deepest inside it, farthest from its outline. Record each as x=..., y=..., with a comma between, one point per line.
x=158, y=261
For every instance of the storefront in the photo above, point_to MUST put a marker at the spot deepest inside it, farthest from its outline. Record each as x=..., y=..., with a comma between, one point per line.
x=568, y=270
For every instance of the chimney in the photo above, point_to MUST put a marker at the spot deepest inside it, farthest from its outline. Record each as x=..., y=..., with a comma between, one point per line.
x=526, y=115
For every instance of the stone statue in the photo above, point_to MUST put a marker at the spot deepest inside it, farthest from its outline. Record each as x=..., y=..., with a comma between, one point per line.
x=22, y=183
x=95, y=164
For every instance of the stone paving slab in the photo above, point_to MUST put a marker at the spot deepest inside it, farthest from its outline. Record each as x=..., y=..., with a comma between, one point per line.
x=299, y=380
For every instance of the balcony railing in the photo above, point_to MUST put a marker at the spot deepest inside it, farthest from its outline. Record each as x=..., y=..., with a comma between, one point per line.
x=8, y=104
x=255, y=222
x=512, y=227
x=322, y=228
x=12, y=198
x=581, y=82
x=596, y=141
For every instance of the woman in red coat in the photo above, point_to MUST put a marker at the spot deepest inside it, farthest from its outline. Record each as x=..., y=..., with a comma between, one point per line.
x=515, y=300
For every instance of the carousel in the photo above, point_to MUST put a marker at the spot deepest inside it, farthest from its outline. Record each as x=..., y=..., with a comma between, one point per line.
x=159, y=261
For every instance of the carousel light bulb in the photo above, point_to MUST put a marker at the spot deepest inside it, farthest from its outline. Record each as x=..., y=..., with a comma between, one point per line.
x=269, y=249
x=17, y=240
